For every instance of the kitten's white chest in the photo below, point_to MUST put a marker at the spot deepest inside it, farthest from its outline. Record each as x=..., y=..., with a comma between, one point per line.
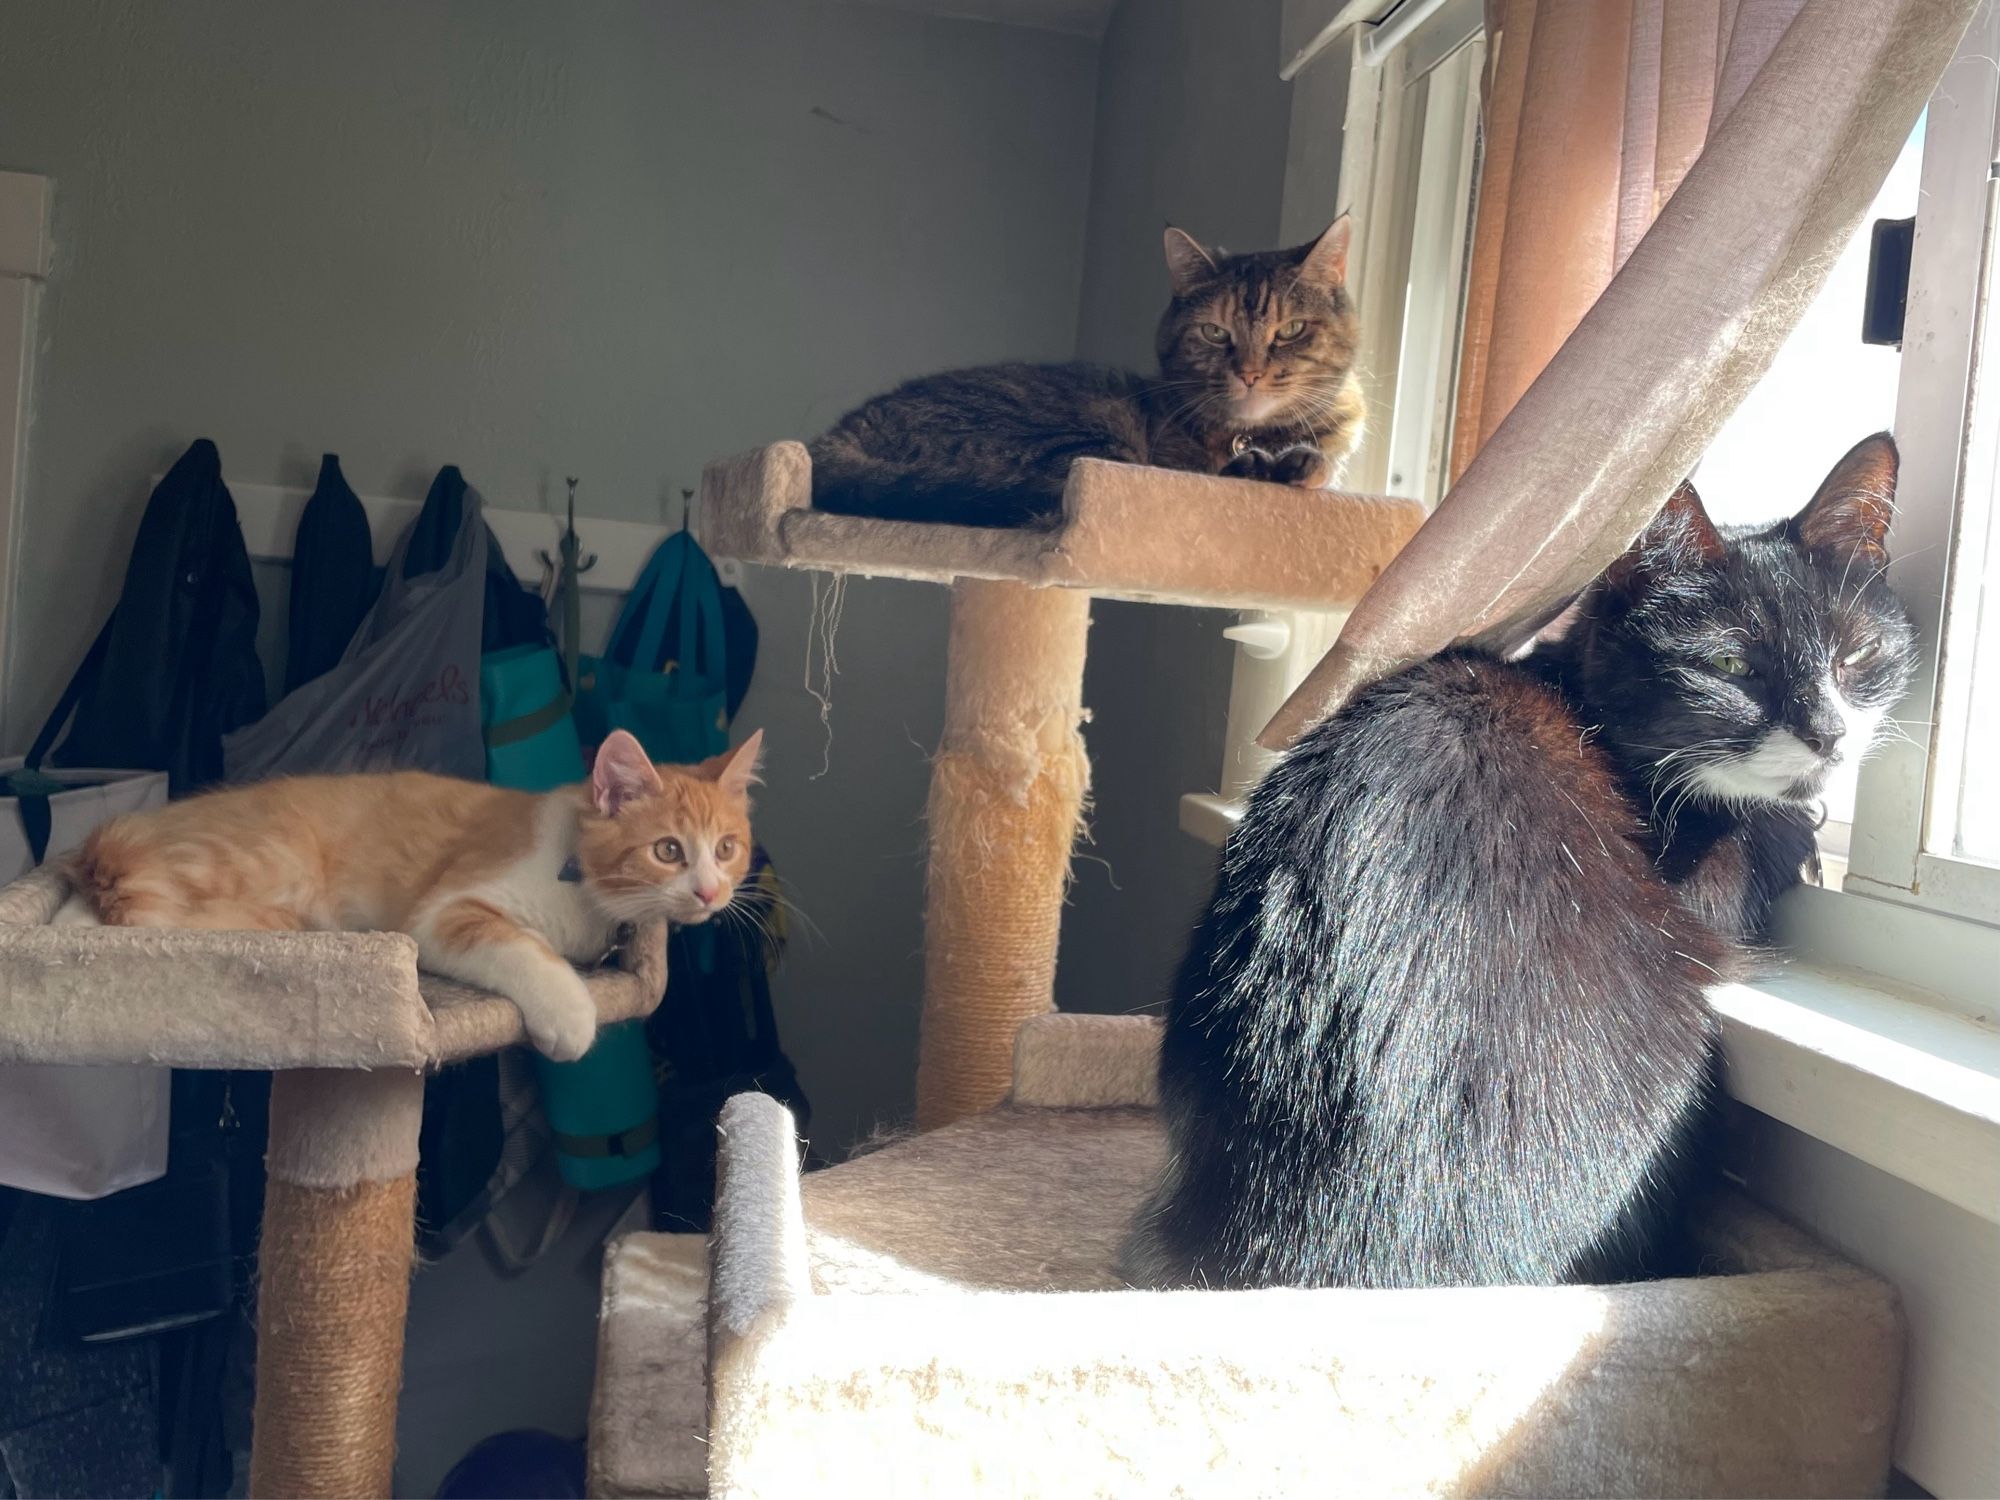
x=534, y=892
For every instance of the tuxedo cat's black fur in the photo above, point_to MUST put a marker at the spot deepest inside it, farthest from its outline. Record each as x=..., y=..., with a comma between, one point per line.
x=1443, y=1022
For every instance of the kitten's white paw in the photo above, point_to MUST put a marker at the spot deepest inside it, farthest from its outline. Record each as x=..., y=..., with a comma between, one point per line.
x=562, y=1021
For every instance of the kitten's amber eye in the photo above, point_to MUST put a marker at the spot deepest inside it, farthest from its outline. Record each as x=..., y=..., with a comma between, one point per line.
x=1729, y=664
x=726, y=849
x=1296, y=329
x=669, y=852
x=1858, y=655
x=1214, y=333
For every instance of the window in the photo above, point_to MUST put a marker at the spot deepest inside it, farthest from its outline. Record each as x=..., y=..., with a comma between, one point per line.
x=1825, y=391
x=1408, y=164
x=1926, y=826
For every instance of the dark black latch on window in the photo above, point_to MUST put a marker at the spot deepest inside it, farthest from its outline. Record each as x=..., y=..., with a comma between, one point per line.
x=1888, y=282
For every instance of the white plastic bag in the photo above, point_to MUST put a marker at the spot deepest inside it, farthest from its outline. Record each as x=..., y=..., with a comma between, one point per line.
x=79, y=1132
x=405, y=696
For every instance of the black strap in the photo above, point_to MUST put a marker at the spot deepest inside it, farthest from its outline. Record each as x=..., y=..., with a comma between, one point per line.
x=527, y=726
x=36, y=819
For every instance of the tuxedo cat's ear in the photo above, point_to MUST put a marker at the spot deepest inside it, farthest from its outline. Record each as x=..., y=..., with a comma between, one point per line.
x=1850, y=515
x=736, y=770
x=622, y=775
x=1188, y=265
x=1680, y=536
x=1326, y=263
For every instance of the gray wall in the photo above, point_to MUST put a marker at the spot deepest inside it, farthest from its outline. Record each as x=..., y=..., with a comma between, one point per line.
x=1191, y=129
x=612, y=240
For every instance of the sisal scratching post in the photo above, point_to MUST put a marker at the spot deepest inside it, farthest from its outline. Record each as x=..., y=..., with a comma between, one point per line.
x=334, y=1276
x=1006, y=799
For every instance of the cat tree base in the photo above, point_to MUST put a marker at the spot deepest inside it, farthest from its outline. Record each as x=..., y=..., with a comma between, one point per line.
x=350, y=1029
x=1008, y=783
x=948, y=1310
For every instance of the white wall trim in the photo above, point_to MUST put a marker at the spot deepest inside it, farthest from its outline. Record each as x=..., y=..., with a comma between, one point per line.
x=24, y=262
x=269, y=514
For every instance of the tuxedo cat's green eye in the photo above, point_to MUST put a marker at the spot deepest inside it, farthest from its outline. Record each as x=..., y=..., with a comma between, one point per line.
x=726, y=849
x=669, y=852
x=1296, y=329
x=1729, y=664
x=1213, y=333
x=1858, y=655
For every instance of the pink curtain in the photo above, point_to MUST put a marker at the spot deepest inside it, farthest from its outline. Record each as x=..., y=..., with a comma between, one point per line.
x=1665, y=185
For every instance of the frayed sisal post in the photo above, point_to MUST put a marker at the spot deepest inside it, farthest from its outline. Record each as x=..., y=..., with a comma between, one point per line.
x=334, y=1275
x=1006, y=801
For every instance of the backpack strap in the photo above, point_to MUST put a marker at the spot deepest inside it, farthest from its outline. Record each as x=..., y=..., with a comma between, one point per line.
x=37, y=821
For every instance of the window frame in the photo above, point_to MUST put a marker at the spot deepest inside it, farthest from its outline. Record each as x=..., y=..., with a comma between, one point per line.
x=1898, y=810
x=24, y=264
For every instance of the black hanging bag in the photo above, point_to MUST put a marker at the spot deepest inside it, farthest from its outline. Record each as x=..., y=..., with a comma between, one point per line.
x=333, y=576
x=175, y=667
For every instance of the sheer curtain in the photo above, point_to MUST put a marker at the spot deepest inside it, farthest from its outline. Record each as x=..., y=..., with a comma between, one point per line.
x=1665, y=185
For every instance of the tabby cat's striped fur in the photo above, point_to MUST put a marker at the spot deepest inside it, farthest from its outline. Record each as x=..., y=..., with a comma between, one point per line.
x=1256, y=379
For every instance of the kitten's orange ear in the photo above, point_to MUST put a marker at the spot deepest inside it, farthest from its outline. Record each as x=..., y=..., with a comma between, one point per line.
x=735, y=770
x=1680, y=536
x=622, y=775
x=1326, y=263
x=1850, y=515
x=1188, y=265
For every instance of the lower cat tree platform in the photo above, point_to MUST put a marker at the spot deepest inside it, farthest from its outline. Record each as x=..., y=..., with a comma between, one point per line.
x=351, y=1028
x=1010, y=776
x=943, y=1318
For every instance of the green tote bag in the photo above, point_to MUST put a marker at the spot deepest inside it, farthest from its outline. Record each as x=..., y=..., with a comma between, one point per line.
x=663, y=674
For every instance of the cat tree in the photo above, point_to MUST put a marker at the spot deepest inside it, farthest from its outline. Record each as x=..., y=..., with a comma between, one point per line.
x=947, y=1311
x=1010, y=776
x=350, y=1028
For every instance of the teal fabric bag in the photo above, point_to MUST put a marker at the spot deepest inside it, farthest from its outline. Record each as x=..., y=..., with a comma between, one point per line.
x=670, y=693
x=603, y=1110
x=524, y=711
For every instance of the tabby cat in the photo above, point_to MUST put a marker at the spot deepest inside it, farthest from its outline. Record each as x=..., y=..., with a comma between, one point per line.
x=1444, y=1022
x=1256, y=379
x=501, y=889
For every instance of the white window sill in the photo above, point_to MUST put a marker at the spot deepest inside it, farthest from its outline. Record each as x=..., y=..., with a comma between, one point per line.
x=1901, y=1078
x=1891, y=1078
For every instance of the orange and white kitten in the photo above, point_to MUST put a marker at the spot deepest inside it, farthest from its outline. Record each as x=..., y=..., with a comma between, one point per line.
x=499, y=888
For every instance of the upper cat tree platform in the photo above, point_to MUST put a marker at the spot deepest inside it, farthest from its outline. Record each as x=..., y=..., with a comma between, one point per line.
x=351, y=1029
x=1127, y=532
x=1008, y=782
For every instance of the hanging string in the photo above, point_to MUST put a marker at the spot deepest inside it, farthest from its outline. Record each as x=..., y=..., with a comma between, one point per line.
x=829, y=597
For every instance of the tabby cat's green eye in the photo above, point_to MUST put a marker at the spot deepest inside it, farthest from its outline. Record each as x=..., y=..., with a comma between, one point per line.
x=1214, y=333
x=668, y=852
x=1296, y=329
x=1729, y=664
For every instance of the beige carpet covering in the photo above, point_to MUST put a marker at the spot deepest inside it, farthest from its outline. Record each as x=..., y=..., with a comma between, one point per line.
x=1127, y=532
x=942, y=1318
x=276, y=1000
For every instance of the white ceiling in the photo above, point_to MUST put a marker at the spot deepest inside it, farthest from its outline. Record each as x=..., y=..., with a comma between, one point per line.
x=1077, y=17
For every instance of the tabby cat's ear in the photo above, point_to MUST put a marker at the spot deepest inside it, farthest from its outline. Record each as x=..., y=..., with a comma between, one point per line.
x=1850, y=515
x=735, y=770
x=623, y=774
x=1680, y=536
x=1188, y=265
x=1326, y=263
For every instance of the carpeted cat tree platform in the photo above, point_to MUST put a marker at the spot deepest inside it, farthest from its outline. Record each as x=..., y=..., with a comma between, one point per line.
x=944, y=1318
x=1009, y=779
x=350, y=1028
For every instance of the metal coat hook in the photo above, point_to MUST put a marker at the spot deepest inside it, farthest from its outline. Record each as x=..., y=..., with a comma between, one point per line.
x=570, y=546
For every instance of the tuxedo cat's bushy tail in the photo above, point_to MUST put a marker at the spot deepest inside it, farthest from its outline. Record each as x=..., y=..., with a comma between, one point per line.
x=1442, y=1022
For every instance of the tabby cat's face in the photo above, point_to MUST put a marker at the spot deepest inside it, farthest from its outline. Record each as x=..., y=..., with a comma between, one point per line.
x=1257, y=340
x=1742, y=664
